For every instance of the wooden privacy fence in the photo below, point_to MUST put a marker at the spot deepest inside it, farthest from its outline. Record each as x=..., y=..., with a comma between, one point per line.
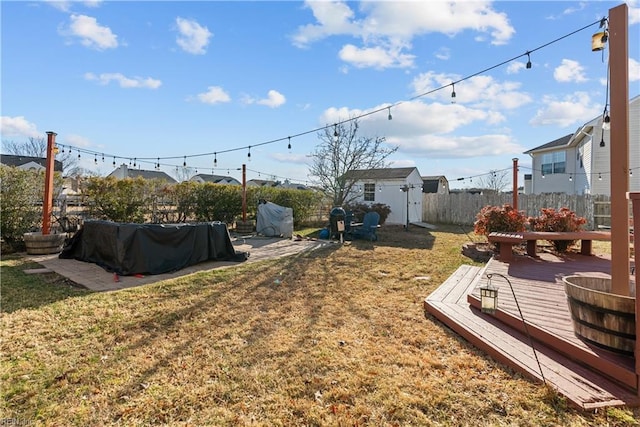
x=462, y=208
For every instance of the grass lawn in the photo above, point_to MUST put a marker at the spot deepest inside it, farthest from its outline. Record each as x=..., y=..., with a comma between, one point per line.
x=332, y=337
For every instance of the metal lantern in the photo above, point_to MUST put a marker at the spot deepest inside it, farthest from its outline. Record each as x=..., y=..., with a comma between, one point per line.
x=488, y=298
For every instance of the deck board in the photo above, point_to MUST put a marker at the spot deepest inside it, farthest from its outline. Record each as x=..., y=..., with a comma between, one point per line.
x=538, y=286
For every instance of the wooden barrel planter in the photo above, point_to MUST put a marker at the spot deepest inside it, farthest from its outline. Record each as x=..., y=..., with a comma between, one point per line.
x=42, y=244
x=244, y=227
x=599, y=317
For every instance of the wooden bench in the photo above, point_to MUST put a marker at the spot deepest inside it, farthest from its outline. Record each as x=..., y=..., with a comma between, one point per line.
x=507, y=240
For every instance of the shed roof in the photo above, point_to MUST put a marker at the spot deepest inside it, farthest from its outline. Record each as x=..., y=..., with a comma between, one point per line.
x=385, y=173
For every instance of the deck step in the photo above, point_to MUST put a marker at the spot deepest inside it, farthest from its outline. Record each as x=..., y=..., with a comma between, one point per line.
x=581, y=386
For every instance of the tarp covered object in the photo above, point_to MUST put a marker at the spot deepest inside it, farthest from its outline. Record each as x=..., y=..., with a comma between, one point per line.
x=274, y=220
x=129, y=249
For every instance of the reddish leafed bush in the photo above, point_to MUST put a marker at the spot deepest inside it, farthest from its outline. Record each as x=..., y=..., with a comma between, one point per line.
x=499, y=218
x=562, y=220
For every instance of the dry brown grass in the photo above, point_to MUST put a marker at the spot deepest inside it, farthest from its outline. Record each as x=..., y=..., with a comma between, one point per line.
x=334, y=337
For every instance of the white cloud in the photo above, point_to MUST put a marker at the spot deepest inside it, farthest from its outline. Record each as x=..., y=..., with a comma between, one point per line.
x=193, y=37
x=214, y=95
x=274, y=99
x=17, y=127
x=478, y=91
x=91, y=34
x=570, y=71
x=444, y=53
x=387, y=28
x=634, y=70
x=65, y=6
x=375, y=57
x=572, y=110
x=77, y=140
x=515, y=67
x=634, y=11
x=426, y=130
x=123, y=81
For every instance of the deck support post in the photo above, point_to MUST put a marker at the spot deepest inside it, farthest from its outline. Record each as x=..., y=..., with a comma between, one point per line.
x=619, y=148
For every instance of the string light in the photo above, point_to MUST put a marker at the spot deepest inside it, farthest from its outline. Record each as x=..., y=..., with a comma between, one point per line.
x=249, y=154
x=335, y=130
x=570, y=177
x=114, y=162
x=184, y=162
x=599, y=176
x=528, y=60
x=78, y=154
x=95, y=159
x=389, y=117
x=453, y=93
x=289, y=145
x=134, y=162
x=102, y=157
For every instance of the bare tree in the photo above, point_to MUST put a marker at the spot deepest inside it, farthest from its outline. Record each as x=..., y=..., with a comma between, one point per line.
x=496, y=181
x=37, y=147
x=341, y=151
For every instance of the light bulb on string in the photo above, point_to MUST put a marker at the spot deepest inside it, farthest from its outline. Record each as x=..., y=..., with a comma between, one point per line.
x=114, y=162
x=184, y=162
x=335, y=130
x=606, y=120
x=289, y=146
x=390, y=117
x=599, y=177
x=453, y=93
x=62, y=149
x=134, y=162
x=570, y=177
x=249, y=154
x=528, y=60
x=78, y=154
x=215, y=159
x=95, y=159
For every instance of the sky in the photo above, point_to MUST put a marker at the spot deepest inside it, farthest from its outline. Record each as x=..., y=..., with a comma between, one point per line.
x=180, y=80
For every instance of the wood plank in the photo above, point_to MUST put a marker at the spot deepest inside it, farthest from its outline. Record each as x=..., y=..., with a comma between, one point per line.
x=538, y=287
x=579, y=385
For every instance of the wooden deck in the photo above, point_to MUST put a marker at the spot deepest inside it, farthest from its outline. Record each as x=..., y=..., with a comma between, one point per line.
x=587, y=376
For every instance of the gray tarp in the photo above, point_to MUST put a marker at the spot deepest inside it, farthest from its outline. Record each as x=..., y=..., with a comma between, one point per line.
x=274, y=220
x=129, y=249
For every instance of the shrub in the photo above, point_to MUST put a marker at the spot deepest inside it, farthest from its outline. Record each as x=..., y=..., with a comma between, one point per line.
x=561, y=220
x=499, y=218
x=22, y=193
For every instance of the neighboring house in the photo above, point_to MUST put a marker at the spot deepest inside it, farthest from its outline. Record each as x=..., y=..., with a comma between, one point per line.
x=261, y=183
x=276, y=184
x=124, y=172
x=29, y=163
x=216, y=179
x=435, y=184
x=579, y=163
x=399, y=188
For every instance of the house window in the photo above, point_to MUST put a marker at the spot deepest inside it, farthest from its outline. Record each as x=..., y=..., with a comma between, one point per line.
x=553, y=162
x=369, y=192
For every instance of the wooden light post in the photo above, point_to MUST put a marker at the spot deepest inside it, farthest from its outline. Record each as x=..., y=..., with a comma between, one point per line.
x=47, y=204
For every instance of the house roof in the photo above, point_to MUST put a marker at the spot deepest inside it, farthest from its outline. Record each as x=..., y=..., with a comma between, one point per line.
x=134, y=173
x=216, y=179
x=12, y=160
x=560, y=142
x=386, y=173
x=261, y=182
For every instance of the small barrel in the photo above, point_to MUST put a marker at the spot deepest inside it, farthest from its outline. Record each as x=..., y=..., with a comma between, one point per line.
x=599, y=317
x=244, y=227
x=42, y=244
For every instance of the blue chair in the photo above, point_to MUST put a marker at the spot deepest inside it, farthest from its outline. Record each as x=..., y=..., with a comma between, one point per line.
x=368, y=228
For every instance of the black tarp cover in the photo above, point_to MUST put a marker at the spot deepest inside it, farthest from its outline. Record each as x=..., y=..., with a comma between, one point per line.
x=128, y=249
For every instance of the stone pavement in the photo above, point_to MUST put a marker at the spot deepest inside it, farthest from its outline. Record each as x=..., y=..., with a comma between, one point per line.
x=96, y=278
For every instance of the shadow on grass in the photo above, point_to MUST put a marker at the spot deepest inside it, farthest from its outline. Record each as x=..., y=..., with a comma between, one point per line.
x=30, y=291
